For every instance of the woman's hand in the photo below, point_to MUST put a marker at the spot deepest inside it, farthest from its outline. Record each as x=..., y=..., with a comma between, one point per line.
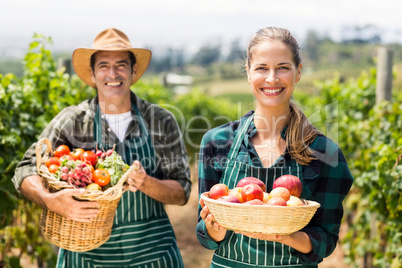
x=215, y=231
x=273, y=238
x=300, y=241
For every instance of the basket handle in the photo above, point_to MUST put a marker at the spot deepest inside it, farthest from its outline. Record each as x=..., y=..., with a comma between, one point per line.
x=38, y=151
x=123, y=179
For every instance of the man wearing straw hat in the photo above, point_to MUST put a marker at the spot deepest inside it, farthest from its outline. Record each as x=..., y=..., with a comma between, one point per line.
x=145, y=135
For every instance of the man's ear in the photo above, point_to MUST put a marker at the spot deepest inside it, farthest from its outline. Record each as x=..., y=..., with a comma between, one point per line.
x=92, y=76
x=134, y=71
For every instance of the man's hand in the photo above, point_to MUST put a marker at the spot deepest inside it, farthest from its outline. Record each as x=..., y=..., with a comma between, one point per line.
x=137, y=178
x=167, y=191
x=63, y=203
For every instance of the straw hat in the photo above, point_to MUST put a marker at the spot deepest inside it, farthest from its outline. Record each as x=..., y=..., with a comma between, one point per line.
x=108, y=40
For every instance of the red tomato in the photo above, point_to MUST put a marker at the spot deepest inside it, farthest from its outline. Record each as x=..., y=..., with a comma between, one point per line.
x=77, y=153
x=90, y=157
x=68, y=157
x=62, y=150
x=101, y=177
x=53, y=161
x=53, y=168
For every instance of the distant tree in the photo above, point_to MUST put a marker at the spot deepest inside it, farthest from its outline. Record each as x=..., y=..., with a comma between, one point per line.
x=180, y=59
x=312, y=45
x=207, y=55
x=170, y=60
x=236, y=53
x=366, y=34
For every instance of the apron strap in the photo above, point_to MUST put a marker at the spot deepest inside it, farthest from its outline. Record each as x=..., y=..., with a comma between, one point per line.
x=98, y=121
x=239, y=138
x=125, y=148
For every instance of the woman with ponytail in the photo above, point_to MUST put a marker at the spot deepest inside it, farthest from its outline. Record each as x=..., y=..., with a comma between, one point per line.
x=274, y=140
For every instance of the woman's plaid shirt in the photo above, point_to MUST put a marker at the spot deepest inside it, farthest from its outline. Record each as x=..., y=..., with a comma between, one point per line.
x=326, y=180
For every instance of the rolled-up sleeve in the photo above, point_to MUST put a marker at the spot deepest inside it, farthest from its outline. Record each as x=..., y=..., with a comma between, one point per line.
x=171, y=150
x=208, y=176
x=73, y=126
x=53, y=132
x=329, y=189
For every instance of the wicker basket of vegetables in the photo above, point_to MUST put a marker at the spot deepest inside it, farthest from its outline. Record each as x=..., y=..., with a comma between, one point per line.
x=106, y=188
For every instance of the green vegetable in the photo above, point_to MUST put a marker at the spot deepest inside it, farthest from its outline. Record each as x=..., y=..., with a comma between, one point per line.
x=115, y=165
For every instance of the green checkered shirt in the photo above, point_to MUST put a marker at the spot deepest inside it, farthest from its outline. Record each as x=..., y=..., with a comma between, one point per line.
x=326, y=180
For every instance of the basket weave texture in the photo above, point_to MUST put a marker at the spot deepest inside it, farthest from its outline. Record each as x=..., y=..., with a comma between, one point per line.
x=69, y=234
x=273, y=220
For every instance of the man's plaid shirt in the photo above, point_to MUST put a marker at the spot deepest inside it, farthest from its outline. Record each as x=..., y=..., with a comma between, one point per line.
x=74, y=127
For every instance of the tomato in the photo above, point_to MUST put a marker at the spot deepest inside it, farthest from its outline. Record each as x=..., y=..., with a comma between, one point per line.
x=53, y=168
x=62, y=150
x=101, y=177
x=53, y=161
x=68, y=157
x=77, y=153
x=90, y=157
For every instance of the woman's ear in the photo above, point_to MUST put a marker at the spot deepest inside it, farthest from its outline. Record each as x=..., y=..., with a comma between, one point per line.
x=248, y=73
x=298, y=72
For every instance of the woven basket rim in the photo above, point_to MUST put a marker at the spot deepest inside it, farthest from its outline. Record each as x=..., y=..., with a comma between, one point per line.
x=112, y=193
x=310, y=203
x=266, y=219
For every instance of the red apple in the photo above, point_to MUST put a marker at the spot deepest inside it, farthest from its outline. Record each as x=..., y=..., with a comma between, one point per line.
x=249, y=180
x=252, y=191
x=281, y=192
x=254, y=202
x=237, y=193
x=294, y=201
x=229, y=198
x=276, y=201
x=290, y=182
x=218, y=190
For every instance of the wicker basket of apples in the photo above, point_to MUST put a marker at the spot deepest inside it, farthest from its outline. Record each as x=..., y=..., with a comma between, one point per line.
x=249, y=208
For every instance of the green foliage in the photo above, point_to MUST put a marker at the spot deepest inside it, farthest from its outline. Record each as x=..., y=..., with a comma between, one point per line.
x=197, y=113
x=27, y=105
x=30, y=102
x=369, y=136
x=153, y=92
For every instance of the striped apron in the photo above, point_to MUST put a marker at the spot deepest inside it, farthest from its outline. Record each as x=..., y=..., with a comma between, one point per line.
x=142, y=235
x=242, y=251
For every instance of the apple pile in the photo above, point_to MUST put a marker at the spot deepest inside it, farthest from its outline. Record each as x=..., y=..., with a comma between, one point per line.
x=286, y=191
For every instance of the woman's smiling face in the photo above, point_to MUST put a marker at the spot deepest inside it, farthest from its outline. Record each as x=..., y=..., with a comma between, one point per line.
x=272, y=74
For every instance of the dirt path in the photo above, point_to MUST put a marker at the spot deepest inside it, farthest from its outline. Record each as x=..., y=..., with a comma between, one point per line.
x=184, y=221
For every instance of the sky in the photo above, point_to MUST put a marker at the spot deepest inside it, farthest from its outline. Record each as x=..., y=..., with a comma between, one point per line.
x=185, y=23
